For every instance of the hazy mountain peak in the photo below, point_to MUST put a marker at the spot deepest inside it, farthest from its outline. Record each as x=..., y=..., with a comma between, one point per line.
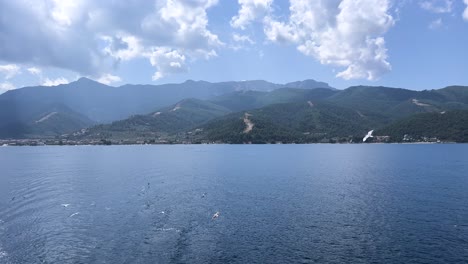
x=86, y=82
x=190, y=81
x=308, y=84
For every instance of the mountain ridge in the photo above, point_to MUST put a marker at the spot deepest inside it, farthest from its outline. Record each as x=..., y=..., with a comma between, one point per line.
x=192, y=105
x=283, y=115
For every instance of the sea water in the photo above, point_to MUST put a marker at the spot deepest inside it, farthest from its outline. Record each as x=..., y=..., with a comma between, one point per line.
x=277, y=204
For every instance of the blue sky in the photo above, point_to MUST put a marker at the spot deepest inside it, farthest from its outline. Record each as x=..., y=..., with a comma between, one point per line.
x=415, y=44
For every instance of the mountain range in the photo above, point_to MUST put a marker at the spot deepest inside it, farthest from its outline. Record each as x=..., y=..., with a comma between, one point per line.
x=97, y=103
x=233, y=112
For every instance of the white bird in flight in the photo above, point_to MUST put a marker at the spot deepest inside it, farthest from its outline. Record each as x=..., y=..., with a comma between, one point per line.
x=74, y=214
x=369, y=135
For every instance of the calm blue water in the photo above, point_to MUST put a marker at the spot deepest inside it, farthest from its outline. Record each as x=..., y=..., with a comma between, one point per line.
x=277, y=204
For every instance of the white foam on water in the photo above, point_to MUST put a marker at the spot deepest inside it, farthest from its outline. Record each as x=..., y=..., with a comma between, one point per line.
x=3, y=253
x=168, y=229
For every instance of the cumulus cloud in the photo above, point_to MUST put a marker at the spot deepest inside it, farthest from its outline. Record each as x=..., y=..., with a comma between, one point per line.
x=42, y=36
x=46, y=81
x=9, y=70
x=280, y=32
x=184, y=23
x=437, y=6
x=249, y=11
x=55, y=82
x=343, y=33
x=176, y=27
x=242, y=38
x=240, y=41
x=465, y=13
x=91, y=37
x=109, y=79
x=35, y=71
x=167, y=61
x=123, y=48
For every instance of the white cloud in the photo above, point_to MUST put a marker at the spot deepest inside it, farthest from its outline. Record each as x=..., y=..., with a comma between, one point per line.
x=28, y=40
x=5, y=86
x=109, y=79
x=343, y=33
x=249, y=11
x=9, y=70
x=35, y=71
x=91, y=37
x=63, y=11
x=55, y=82
x=437, y=6
x=174, y=31
x=465, y=13
x=189, y=20
x=242, y=38
x=241, y=41
x=123, y=48
x=167, y=61
x=45, y=81
x=435, y=24
x=280, y=32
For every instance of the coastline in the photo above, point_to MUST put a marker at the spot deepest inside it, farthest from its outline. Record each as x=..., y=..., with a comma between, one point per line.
x=35, y=144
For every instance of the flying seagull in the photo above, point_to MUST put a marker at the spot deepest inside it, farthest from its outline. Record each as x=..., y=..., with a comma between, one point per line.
x=369, y=135
x=74, y=214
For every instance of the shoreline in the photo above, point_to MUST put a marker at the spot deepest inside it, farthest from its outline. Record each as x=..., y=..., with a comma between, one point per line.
x=195, y=144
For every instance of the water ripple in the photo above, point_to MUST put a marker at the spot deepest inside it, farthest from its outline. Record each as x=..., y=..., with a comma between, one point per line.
x=278, y=204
